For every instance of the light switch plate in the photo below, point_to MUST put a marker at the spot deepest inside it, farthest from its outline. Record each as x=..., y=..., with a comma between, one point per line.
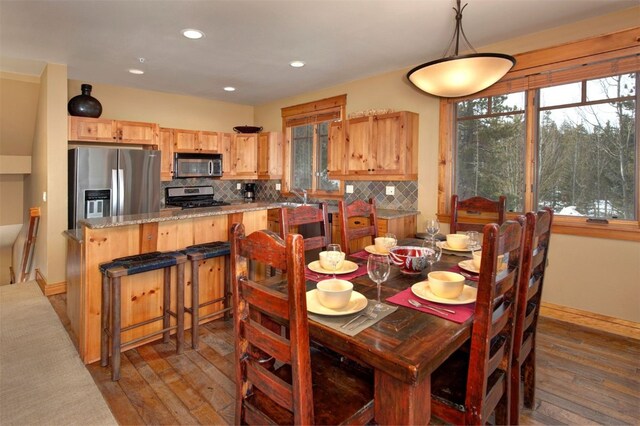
x=349, y=189
x=278, y=187
x=390, y=190
x=239, y=186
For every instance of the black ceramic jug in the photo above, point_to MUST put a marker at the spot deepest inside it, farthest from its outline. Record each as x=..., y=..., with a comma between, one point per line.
x=85, y=105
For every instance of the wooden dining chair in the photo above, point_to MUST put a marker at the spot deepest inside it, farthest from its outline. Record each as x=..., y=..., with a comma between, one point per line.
x=474, y=382
x=534, y=263
x=473, y=209
x=359, y=220
x=306, y=386
x=307, y=216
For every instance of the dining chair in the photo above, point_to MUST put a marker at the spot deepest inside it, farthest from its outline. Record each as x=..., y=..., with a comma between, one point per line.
x=534, y=264
x=474, y=381
x=304, y=385
x=363, y=215
x=307, y=216
x=472, y=209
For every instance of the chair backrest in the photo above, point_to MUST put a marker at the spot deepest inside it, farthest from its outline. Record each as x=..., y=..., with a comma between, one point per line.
x=307, y=215
x=256, y=305
x=494, y=317
x=534, y=263
x=364, y=210
x=475, y=206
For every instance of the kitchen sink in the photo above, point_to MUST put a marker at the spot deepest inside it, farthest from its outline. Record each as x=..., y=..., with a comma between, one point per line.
x=291, y=205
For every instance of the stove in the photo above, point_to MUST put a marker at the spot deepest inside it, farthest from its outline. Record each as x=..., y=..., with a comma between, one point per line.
x=189, y=197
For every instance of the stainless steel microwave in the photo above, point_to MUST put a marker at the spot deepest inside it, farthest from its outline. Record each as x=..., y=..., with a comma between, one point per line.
x=190, y=165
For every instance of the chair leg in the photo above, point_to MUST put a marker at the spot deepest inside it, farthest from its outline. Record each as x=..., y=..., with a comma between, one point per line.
x=180, y=308
x=529, y=376
x=515, y=394
x=104, y=322
x=503, y=407
x=227, y=286
x=195, y=302
x=115, y=329
x=166, y=304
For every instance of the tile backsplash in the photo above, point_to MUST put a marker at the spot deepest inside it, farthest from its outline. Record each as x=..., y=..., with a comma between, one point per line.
x=405, y=197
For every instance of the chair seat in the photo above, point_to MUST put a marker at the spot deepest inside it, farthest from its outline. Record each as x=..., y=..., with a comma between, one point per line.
x=339, y=395
x=209, y=250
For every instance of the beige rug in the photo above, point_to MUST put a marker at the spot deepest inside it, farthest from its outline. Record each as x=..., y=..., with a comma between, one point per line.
x=42, y=380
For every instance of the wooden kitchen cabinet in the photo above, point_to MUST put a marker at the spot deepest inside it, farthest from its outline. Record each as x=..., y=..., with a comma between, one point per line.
x=209, y=141
x=270, y=155
x=85, y=129
x=165, y=145
x=196, y=141
x=377, y=147
x=244, y=154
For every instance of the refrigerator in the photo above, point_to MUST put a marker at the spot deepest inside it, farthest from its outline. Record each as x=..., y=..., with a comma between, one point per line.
x=112, y=182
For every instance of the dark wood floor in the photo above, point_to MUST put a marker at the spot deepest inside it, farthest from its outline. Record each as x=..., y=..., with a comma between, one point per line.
x=584, y=377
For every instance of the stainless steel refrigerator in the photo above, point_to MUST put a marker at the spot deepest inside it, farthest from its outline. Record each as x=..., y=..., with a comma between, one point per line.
x=112, y=182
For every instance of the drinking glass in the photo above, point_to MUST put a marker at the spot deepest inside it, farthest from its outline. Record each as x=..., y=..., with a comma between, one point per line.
x=433, y=252
x=334, y=254
x=378, y=268
x=474, y=239
x=433, y=227
x=391, y=241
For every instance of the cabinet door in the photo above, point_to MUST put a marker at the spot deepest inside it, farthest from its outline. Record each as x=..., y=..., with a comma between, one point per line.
x=360, y=151
x=137, y=132
x=166, y=149
x=91, y=129
x=389, y=145
x=270, y=155
x=209, y=141
x=336, y=149
x=228, y=153
x=185, y=140
x=246, y=155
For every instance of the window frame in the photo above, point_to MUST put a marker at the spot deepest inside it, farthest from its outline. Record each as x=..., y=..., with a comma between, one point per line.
x=314, y=112
x=615, y=53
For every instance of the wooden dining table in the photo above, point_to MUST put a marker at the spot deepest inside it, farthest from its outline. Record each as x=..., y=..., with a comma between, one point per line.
x=403, y=348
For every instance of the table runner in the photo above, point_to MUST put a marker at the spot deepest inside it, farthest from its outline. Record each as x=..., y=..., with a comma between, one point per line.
x=463, y=312
x=314, y=276
x=337, y=321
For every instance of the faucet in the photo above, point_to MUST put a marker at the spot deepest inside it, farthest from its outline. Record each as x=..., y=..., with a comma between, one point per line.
x=303, y=196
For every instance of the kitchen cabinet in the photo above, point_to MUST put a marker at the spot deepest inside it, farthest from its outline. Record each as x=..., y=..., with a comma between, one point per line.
x=270, y=155
x=240, y=156
x=401, y=227
x=85, y=129
x=377, y=147
x=196, y=141
x=165, y=145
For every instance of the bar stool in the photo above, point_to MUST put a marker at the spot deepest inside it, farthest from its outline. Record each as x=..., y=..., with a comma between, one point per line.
x=195, y=254
x=112, y=272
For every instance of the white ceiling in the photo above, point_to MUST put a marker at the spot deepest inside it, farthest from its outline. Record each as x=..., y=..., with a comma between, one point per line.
x=249, y=43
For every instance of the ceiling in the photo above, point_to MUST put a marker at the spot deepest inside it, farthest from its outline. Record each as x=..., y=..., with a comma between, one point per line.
x=249, y=43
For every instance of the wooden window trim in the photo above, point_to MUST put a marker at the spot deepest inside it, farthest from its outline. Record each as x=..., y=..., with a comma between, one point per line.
x=595, y=57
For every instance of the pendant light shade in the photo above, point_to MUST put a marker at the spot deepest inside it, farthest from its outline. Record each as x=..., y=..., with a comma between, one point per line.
x=460, y=75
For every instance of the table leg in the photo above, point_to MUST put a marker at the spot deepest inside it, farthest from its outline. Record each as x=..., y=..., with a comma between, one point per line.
x=400, y=403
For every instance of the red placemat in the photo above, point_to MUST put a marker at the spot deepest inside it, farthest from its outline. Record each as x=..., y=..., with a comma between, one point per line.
x=314, y=276
x=362, y=254
x=467, y=275
x=463, y=312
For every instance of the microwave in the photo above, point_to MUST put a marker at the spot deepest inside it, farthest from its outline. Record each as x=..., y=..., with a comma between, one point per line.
x=196, y=165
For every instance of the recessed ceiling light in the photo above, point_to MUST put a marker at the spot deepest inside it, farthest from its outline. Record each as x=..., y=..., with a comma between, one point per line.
x=192, y=33
x=229, y=89
x=136, y=71
x=296, y=64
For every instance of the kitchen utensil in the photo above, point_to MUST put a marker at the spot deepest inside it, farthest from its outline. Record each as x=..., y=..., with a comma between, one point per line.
x=443, y=311
x=369, y=315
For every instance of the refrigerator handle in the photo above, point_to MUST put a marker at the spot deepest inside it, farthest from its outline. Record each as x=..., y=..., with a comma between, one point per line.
x=114, y=190
x=121, y=191
x=210, y=168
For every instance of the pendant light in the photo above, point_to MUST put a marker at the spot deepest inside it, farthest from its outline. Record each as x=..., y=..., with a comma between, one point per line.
x=460, y=75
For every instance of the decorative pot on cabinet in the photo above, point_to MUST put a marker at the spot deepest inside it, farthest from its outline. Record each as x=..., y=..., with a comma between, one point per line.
x=85, y=105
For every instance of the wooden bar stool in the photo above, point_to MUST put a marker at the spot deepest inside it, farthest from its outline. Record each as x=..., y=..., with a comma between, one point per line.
x=112, y=272
x=195, y=254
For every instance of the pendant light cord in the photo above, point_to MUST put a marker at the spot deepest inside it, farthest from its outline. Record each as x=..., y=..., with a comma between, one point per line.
x=456, y=34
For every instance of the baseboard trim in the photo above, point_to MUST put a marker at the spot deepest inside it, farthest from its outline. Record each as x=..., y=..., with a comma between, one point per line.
x=50, y=289
x=592, y=320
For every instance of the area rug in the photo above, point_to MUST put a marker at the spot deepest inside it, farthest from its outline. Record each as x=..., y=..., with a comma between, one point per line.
x=42, y=379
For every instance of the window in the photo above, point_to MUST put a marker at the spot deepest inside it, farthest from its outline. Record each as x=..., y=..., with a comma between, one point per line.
x=306, y=161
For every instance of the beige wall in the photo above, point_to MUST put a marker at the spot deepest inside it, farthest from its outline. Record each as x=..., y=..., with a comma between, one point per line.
x=572, y=279
x=11, y=193
x=18, y=107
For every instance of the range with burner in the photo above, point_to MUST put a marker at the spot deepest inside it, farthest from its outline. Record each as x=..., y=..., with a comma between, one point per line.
x=189, y=197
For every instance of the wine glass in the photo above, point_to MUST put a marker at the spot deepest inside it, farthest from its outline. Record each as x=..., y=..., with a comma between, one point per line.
x=474, y=239
x=378, y=268
x=334, y=256
x=432, y=253
x=433, y=227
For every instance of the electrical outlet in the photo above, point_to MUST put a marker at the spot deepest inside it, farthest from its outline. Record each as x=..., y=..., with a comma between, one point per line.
x=239, y=186
x=278, y=187
x=349, y=189
x=390, y=190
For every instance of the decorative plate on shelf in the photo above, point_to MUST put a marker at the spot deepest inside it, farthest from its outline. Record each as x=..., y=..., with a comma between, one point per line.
x=247, y=129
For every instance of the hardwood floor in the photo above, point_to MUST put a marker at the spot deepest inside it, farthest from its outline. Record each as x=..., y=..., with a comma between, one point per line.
x=584, y=377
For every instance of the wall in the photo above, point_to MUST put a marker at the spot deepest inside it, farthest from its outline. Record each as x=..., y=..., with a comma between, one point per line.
x=572, y=277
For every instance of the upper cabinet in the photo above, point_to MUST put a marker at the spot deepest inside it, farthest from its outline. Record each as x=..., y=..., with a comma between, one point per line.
x=165, y=145
x=377, y=147
x=85, y=129
x=270, y=155
x=245, y=155
x=197, y=141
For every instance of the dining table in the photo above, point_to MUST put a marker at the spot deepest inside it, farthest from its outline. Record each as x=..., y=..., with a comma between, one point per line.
x=403, y=348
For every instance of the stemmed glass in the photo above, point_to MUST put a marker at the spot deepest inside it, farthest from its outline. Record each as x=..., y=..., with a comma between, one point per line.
x=433, y=227
x=432, y=253
x=378, y=268
x=474, y=239
x=334, y=255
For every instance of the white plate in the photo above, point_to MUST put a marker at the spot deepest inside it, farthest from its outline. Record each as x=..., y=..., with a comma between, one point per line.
x=443, y=245
x=357, y=303
x=347, y=266
x=423, y=291
x=469, y=266
x=372, y=249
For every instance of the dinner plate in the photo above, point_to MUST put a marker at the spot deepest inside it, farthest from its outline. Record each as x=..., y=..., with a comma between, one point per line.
x=423, y=291
x=372, y=249
x=357, y=303
x=443, y=245
x=347, y=266
x=469, y=266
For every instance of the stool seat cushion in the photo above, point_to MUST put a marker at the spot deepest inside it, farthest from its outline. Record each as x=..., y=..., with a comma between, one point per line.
x=136, y=264
x=209, y=250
